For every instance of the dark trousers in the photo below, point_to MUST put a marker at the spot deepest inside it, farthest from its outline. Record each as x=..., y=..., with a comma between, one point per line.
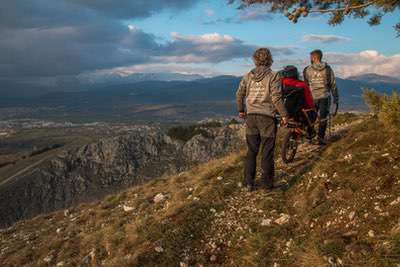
x=323, y=106
x=260, y=135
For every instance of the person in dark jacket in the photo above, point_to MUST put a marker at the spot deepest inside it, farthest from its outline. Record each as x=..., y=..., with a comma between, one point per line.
x=259, y=99
x=298, y=99
x=321, y=79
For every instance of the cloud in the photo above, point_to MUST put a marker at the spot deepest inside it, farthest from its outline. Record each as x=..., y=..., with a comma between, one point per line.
x=368, y=61
x=325, y=38
x=353, y=64
x=253, y=13
x=50, y=13
x=47, y=38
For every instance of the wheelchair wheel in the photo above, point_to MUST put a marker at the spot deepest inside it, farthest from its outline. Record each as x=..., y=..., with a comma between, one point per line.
x=289, y=147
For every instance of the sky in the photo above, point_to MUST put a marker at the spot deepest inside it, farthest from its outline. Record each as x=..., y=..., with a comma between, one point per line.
x=43, y=39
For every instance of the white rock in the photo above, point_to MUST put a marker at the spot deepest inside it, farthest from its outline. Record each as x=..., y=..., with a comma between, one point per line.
x=276, y=265
x=371, y=233
x=213, y=210
x=196, y=199
x=213, y=258
x=183, y=264
x=283, y=219
x=351, y=215
x=127, y=208
x=219, y=178
x=58, y=230
x=266, y=222
x=48, y=258
x=395, y=202
x=60, y=264
x=348, y=157
x=159, y=198
x=159, y=249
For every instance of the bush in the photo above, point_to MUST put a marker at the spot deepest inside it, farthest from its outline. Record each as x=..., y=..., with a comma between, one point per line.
x=186, y=133
x=390, y=112
x=373, y=100
x=387, y=108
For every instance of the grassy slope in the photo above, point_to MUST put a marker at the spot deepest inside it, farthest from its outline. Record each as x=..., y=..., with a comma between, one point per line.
x=209, y=221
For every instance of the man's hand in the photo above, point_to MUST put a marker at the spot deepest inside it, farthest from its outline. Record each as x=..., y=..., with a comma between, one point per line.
x=285, y=121
x=242, y=115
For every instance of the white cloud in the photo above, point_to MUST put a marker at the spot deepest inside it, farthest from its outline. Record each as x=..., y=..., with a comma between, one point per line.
x=352, y=64
x=325, y=38
x=368, y=61
x=205, y=38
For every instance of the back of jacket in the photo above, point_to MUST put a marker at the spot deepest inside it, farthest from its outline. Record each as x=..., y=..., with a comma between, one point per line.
x=321, y=80
x=260, y=92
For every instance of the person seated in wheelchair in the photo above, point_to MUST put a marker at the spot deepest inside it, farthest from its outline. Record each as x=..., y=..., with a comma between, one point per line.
x=298, y=99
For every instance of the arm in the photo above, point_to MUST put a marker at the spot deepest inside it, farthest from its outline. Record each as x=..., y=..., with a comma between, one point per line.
x=241, y=95
x=276, y=95
x=333, y=86
x=305, y=75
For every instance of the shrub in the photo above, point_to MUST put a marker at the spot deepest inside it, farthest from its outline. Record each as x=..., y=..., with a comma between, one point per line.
x=186, y=133
x=390, y=111
x=387, y=108
x=373, y=100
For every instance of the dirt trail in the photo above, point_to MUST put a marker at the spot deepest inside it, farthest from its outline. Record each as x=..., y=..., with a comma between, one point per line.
x=230, y=226
x=25, y=170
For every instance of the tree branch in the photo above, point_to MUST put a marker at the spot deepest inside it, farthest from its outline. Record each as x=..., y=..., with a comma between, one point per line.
x=342, y=8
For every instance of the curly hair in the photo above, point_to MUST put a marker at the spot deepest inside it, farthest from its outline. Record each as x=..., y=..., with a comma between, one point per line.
x=263, y=57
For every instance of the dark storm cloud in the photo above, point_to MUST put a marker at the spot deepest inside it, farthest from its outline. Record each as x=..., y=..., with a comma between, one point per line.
x=126, y=9
x=68, y=37
x=53, y=13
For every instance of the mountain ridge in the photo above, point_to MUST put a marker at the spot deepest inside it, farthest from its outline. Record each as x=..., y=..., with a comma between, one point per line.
x=329, y=209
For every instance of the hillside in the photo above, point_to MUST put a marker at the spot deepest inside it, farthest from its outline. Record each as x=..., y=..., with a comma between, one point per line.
x=50, y=179
x=334, y=207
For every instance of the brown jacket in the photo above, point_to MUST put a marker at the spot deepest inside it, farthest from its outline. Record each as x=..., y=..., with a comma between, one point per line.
x=260, y=92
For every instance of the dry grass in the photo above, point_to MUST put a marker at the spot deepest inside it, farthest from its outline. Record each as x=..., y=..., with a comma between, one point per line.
x=212, y=222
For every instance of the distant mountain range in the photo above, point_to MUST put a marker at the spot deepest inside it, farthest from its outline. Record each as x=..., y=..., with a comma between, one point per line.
x=375, y=78
x=164, y=98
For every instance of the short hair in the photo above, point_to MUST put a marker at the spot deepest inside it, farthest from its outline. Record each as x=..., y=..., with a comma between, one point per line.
x=318, y=53
x=263, y=57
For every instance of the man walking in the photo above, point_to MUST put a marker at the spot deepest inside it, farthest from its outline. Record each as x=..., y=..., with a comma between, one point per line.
x=259, y=98
x=321, y=79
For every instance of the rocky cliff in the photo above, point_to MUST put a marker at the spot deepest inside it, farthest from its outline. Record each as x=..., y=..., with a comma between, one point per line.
x=96, y=169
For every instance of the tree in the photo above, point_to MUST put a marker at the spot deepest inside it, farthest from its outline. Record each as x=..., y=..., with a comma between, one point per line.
x=338, y=9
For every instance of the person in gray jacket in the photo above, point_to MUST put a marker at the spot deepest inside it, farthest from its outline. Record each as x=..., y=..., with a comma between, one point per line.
x=321, y=79
x=259, y=99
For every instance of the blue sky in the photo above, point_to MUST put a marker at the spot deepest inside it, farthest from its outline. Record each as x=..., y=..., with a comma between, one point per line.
x=276, y=30
x=46, y=39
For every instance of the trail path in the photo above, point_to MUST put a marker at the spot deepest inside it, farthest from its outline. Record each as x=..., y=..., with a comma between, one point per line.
x=231, y=225
x=25, y=170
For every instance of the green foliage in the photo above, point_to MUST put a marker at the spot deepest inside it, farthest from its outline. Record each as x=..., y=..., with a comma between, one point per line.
x=387, y=108
x=338, y=10
x=332, y=248
x=390, y=113
x=373, y=100
x=185, y=133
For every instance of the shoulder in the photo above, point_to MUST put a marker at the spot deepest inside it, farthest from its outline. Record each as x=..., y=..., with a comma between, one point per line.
x=275, y=74
x=328, y=67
